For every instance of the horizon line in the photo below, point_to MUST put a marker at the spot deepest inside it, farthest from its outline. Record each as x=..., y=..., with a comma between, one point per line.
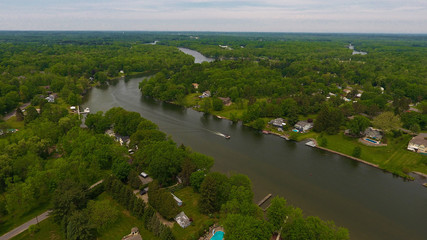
x=211, y=31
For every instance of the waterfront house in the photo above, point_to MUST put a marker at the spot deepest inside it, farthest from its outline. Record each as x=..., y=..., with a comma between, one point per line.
x=123, y=140
x=303, y=126
x=182, y=220
x=373, y=133
x=50, y=98
x=226, y=101
x=195, y=85
x=418, y=143
x=205, y=94
x=278, y=122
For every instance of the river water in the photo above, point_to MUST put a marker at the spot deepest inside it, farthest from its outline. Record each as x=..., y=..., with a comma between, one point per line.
x=371, y=203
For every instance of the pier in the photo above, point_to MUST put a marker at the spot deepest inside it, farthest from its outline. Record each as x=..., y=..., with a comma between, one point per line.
x=264, y=199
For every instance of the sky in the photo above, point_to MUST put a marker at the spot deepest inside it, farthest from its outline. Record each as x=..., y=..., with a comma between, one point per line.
x=341, y=16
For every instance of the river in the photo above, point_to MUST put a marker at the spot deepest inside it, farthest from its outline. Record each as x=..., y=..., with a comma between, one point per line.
x=371, y=203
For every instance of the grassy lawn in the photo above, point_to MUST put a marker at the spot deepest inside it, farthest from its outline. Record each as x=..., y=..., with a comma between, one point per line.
x=123, y=224
x=190, y=208
x=11, y=222
x=48, y=230
x=122, y=227
x=394, y=157
x=15, y=124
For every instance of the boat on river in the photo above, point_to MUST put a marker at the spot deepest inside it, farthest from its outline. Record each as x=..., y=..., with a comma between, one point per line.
x=227, y=136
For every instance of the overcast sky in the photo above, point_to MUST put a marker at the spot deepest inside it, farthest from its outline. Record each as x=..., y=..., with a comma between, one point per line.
x=361, y=16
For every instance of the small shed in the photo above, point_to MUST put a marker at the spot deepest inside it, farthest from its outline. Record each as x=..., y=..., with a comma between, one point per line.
x=178, y=201
x=182, y=220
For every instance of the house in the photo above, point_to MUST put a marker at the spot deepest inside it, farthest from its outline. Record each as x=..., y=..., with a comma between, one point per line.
x=373, y=133
x=418, y=143
x=50, y=98
x=182, y=220
x=195, y=85
x=134, y=235
x=303, y=126
x=110, y=133
x=347, y=90
x=205, y=94
x=178, y=201
x=123, y=140
x=278, y=122
x=226, y=101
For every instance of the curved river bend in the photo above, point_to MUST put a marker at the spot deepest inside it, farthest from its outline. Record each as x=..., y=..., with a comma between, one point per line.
x=371, y=203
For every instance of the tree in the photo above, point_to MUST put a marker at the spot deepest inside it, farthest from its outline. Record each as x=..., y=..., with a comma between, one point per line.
x=259, y=124
x=121, y=169
x=214, y=192
x=240, y=227
x=357, y=151
x=97, y=122
x=196, y=180
x=102, y=214
x=31, y=114
x=358, y=124
x=240, y=202
x=329, y=120
x=68, y=197
x=217, y=104
x=78, y=227
x=313, y=228
x=387, y=122
x=278, y=212
x=19, y=114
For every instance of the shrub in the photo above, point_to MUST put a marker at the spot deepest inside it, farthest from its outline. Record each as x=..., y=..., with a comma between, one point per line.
x=357, y=151
x=32, y=229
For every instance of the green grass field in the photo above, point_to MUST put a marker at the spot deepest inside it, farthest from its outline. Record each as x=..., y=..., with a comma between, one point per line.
x=122, y=227
x=394, y=157
x=10, y=222
x=190, y=200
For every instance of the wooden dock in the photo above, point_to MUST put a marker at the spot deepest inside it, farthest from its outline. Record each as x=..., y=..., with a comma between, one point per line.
x=264, y=199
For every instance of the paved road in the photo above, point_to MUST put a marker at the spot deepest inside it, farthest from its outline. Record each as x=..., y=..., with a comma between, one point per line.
x=39, y=218
x=11, y=114
x=25, y=226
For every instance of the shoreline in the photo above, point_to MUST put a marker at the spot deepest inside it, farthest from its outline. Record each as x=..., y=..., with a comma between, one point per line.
x=287, y=137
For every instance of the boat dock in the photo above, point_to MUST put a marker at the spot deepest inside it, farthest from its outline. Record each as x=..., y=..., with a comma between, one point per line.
x=264, y=199
x=311, y=143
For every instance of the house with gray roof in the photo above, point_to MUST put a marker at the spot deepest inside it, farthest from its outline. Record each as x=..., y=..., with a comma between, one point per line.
x=303, y=126
x=373, y=133
x=418, y=143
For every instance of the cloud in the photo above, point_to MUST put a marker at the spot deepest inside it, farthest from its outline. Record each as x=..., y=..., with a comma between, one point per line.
x=394, y=16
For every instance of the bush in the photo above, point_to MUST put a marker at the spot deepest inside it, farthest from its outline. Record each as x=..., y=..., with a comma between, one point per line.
x=357, y=151
x=32, y=229
x=323, y=142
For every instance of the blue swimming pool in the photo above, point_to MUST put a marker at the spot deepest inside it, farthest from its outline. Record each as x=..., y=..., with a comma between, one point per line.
x=294, y=130
x=218, y=235
x=370, y=140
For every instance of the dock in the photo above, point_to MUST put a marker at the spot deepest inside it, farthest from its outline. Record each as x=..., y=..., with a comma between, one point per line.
x=311, y=143
x=264, y=199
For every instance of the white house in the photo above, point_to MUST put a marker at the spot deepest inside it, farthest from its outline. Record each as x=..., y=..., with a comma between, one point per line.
x=278, y=122
x=418, y=143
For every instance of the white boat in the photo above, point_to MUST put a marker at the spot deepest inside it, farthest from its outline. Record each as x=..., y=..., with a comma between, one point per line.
x=87, y=110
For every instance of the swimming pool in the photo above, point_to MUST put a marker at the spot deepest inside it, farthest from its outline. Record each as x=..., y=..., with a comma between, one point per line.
x=370, y=140
x=218, y=235
x=294, y=130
